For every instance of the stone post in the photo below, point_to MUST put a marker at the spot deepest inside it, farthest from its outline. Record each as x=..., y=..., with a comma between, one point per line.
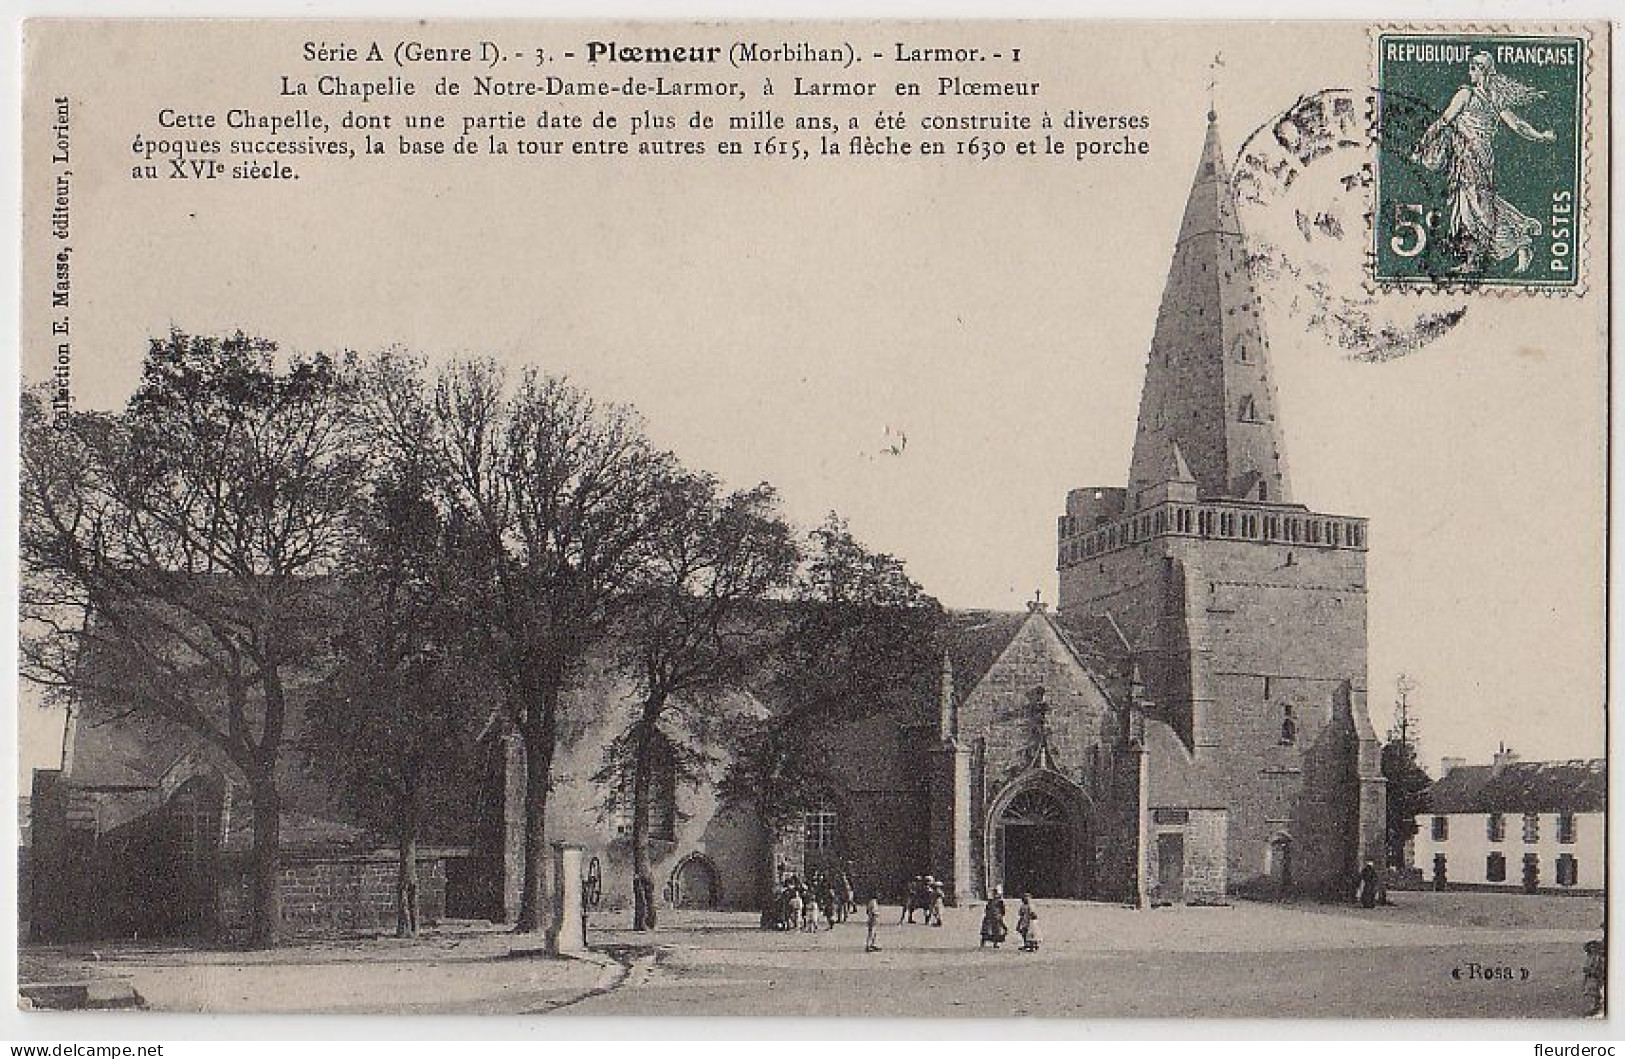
x=950, y=820
x=568, y=933
x=1142, y=865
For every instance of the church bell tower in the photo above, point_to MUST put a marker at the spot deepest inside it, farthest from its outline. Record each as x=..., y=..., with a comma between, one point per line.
x=1244, y=609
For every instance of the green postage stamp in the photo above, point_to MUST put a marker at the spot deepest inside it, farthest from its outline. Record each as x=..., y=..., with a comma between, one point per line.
x=1480, y=156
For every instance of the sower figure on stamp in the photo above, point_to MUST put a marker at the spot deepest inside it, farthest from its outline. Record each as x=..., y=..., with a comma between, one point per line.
x=1483, y=226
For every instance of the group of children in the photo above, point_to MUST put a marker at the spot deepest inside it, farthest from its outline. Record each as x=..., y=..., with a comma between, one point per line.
x=799, y=904
x=924, y=894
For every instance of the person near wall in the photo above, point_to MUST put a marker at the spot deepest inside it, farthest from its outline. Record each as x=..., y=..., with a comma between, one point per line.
x=1027, y=924
x=792, y=919
x=1367, y=888
x=1596, y=977
x=913, y=898
x=993, y=926
x=872, y=912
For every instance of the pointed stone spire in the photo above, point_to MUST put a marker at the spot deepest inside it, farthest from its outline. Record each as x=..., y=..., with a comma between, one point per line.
x=1208, y=385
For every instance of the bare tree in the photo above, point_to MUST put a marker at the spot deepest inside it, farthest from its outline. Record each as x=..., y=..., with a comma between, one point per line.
x=393, y=721
x=692, y=637
x=170, y=553
x=550, y=500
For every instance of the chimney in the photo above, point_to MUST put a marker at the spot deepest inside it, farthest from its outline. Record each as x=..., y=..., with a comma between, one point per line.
x=1446, y=764
x=1503, y=758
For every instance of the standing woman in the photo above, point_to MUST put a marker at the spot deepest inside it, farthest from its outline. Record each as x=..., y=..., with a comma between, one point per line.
x=1484, y=227
x=993, y=928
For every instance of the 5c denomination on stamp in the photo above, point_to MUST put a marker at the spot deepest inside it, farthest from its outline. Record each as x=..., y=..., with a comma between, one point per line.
x=1480, y=155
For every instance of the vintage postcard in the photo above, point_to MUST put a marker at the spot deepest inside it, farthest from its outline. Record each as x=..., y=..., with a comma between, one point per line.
x=833, y=518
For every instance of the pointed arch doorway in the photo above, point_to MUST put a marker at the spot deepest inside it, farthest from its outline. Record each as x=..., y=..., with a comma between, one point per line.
x=1038, y=838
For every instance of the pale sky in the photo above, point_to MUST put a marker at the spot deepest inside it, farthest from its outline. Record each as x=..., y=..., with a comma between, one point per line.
x=775, y=323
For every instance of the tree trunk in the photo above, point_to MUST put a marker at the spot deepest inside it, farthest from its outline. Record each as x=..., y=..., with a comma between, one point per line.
x=267, y=813
x=770, y=846
x=533, y=897
x=643, y=883
x=406, y=883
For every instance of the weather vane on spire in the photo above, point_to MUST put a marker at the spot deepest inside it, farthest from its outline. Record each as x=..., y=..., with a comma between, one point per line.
x=1213, y=83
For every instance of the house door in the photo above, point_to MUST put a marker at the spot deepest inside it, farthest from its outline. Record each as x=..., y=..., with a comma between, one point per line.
x=1170, y=868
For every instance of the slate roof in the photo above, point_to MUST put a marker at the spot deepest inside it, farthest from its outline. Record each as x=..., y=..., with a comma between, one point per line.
x=1579, y=786
x=976, y=638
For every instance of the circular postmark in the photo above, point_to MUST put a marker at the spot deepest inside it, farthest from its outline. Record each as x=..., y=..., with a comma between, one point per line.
x=1303, y=185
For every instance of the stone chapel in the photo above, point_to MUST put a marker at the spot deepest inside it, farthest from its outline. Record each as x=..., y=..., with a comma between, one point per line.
x=1188, y=723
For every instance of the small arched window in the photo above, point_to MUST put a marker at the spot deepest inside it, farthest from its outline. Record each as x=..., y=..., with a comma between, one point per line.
x=1289, y=726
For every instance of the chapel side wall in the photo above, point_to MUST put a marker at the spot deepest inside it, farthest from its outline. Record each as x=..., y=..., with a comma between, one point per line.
x=882, y=806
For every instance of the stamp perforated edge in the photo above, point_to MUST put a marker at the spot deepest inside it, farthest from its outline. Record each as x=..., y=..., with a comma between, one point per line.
x=1506, y=289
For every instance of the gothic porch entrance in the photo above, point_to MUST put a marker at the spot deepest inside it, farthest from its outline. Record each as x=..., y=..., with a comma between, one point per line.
x=1039, y=839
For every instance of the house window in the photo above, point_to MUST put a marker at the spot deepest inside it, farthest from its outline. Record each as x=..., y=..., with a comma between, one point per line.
x=1565, y=828
x=1495, y=867
x=1531, y=827
x=1247, y=411
x=820, y=825
x=1441, y=828
x=1495, y=827
x=1568, y=870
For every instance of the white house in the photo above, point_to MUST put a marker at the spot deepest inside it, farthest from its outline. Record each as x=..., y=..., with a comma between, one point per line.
x=1515, y=825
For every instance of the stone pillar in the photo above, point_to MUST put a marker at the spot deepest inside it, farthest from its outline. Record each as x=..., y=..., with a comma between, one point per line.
x=568, y=932
x=1142, y=826
x=950, y=820
x=1373, y=787
x=511, y=827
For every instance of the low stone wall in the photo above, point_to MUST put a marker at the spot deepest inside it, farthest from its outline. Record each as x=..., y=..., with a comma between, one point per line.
x=336, y=894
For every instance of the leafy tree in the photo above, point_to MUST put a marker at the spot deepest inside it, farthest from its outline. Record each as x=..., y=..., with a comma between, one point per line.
x=861, y=637
x=690, y=637
x=550, y=500
x=172, y=553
